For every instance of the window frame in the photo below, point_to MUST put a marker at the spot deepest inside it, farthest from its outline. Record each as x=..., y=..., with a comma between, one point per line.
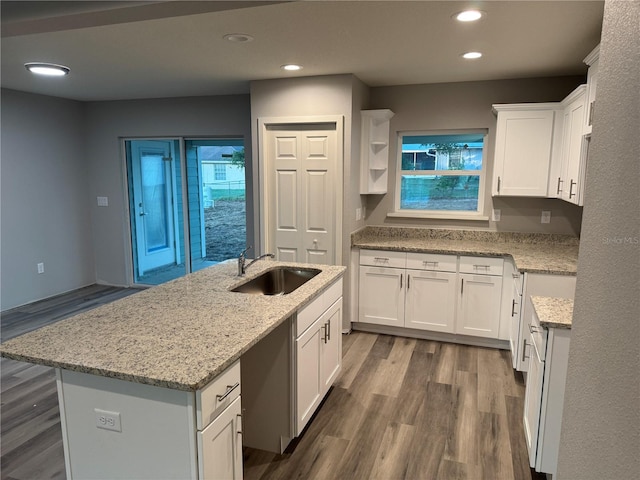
x=479, y=214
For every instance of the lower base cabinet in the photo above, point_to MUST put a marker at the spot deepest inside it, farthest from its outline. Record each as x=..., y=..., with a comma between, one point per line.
x=220, y=445
x=318, y=359
x=431, y=292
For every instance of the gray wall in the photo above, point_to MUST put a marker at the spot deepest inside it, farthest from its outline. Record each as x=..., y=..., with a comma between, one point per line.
x=45, y=213
x=601, y=423
x=108, y=122
x=468, y=106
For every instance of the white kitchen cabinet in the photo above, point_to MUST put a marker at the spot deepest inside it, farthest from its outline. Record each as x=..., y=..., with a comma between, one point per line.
x=523, y=152
x=374, y=151
x=480, y=296
x=430, y=301
x=592, y=82
x=220, y=446
x=539, y=284
x=159, y=432
x=429, y=294
x=318, y=353
x=382, y=295
x=513, y=285
x=570, y=183
x=544, y=395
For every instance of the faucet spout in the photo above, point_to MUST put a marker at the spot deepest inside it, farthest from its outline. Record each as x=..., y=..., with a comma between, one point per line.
x=241, y=261
x=259, y=258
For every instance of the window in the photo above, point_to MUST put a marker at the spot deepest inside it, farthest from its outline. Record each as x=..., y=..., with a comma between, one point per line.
x=220, y=171
x=440, y=174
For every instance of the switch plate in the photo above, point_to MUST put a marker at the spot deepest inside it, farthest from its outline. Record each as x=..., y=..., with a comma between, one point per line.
x=358, y=214
x=40, y=267
x=545, y=217
x=495, y=214
x=107, y=420
x=103, y=201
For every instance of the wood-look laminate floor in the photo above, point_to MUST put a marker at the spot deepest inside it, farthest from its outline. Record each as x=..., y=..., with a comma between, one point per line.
x=401, y=408
x=410, y=409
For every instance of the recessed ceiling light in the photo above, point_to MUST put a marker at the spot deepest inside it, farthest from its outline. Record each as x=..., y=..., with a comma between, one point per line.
x=238, y=37
x=291, y=67
x=49, y=69
x=471, y=55
x=469, y=15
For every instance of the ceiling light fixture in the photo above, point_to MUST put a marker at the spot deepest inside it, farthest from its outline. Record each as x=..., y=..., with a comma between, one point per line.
x=291, y=67
x=48, y=69
x=238, y=38
x=471, y=55
x=469, y=15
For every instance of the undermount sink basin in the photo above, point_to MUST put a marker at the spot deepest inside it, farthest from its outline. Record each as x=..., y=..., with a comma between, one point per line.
x=278, y=281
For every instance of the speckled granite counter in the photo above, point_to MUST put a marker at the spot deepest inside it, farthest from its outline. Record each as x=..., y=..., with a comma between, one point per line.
x=553, y=312
x=179, y=335
x=534, y=253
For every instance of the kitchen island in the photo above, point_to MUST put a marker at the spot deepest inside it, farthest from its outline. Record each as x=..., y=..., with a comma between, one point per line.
x=135, y=376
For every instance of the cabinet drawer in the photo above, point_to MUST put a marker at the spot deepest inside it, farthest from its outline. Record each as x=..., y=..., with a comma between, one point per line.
x=482, y=265
x=312, y=311
x=432, y=262
x=383, y=258
x=218, y=395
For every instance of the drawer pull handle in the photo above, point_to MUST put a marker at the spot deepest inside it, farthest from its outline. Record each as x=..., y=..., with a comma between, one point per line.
x=524, y=349
x=239, y=417
x=428, y=262
x=559, y=190
x=230, y=388
x=486, y=267
x=513, y=307
x=535, y=329
x=515, y=275
x=400, y=281
x=381, y=259
x=571, y=194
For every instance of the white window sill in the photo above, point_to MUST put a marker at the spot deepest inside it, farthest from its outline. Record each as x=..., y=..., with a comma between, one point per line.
x=440, y=215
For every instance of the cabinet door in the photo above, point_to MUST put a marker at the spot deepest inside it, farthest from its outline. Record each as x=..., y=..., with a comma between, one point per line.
x=532, y=399
x=479, y=306
x=572, y=151
x=308, y=374
x=220, y=446
x=430, y=301
x=331, y=352
x=382, y=295
x=523, y=153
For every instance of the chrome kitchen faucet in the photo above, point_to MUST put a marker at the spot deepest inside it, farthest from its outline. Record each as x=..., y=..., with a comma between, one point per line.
x=242, y=267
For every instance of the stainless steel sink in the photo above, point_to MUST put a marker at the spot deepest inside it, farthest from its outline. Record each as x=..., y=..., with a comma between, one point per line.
x=278, y=281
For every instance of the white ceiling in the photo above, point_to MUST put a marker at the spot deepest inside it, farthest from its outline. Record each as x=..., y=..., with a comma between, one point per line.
x=126, y=50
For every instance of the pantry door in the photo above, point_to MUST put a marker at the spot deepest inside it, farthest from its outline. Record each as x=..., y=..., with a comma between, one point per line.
x=301, y=192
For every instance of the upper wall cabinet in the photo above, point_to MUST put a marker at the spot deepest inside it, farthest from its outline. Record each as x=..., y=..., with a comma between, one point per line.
x=574, y=148
x=523, y=152
x=592, y=80
x=374, y=151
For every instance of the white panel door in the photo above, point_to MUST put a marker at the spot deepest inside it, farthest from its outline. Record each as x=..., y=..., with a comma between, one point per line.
x=301, y=193
x=430, y=301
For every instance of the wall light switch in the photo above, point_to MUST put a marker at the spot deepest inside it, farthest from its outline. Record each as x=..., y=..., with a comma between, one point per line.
x=495, y=214
x=545, y=217
x=40, y=267
x=358, y=214
x=103, y=201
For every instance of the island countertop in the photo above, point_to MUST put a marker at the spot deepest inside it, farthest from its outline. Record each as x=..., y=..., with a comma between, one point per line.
x=553, y=312
x=178, y=335
x=533, y=253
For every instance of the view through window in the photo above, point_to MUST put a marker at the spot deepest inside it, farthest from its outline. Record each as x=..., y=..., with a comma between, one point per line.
x=443, y=172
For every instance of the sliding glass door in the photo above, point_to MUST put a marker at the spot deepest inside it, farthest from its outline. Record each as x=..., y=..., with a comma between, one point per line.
x=187, y=211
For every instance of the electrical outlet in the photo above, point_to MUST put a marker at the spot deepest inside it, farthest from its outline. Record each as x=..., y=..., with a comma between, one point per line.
x=107, y=420
x=40, y=268
x=103, y=201
x=495, y=214
x=364, y=211
x=358, y=214
x=545, y=217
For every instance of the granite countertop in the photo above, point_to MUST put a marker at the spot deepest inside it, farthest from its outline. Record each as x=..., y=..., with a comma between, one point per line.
x=533, y=253
x=553, y=312
x=179, y=335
